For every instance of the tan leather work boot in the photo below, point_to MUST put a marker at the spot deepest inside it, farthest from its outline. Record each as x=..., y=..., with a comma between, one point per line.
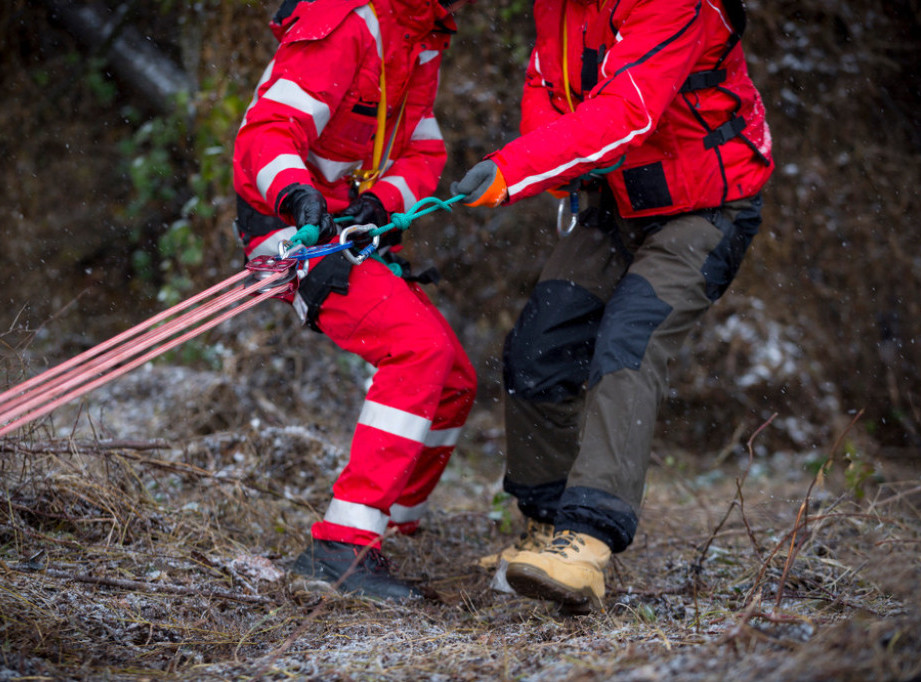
x=535, y=536
x=569, y=570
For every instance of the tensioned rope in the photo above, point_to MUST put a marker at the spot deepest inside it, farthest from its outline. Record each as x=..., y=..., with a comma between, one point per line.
x=263, y=277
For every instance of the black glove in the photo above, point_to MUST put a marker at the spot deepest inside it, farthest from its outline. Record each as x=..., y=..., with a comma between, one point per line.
x=301, y=205
x=366, y=209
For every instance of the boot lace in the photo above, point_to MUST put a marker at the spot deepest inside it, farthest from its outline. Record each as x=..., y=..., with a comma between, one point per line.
x=376, y=562
x=533, y=537
x=564, y=542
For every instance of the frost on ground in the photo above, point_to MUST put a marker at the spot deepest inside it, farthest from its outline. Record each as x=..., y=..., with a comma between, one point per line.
x=140, y=541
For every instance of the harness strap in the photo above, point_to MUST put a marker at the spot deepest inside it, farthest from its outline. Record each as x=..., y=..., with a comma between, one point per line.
x=703, y=80
x=725, y=132
x=251, y=223
x=330, y=275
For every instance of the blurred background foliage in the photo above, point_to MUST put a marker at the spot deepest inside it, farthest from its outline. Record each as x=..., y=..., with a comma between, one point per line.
x=114, y=206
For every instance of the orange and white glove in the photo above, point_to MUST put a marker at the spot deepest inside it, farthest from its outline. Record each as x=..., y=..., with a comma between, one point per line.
x=483, y=185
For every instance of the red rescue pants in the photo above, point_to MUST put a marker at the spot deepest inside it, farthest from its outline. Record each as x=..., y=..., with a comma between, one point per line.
x=418, y=401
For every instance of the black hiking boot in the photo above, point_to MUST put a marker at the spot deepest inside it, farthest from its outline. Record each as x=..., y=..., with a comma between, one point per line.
x=338, y=565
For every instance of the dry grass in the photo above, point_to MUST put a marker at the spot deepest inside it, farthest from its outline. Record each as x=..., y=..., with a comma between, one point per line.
x=144, y=560
x=155, y=548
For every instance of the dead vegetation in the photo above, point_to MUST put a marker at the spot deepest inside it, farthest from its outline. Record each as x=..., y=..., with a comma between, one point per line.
x=146, y=531
x=166, y=559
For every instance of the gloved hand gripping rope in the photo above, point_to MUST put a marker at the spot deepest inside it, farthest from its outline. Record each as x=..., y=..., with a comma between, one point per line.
x=264, y=277
x=302, y=247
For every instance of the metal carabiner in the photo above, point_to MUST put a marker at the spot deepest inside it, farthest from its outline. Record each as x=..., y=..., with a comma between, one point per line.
x=359, y=258
x=573, y=199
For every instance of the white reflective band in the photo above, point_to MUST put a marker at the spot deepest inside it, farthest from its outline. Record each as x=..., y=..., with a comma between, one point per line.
x=427, y=56
x=527, y=182
x=367, y=14
x=443, y=438
x=270, y=171
x=332, y=170
x=394, y=421
x=397, y=181
x=291, y=94
x=427, y=129
x=401, y=514
x=356, y=515
x=300, y=309
x=716, y=9
x=269, y=245
x=262, y=79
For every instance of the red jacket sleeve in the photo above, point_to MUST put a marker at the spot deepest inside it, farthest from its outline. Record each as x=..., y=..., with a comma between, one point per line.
x=536, y=107
x=293, y=104
x=659, y=43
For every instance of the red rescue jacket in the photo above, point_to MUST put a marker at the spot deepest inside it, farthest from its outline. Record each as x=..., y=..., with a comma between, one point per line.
x=313, y=118
x=660, y=84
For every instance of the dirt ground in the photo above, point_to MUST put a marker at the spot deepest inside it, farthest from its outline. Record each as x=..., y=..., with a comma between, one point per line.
x=140, y=541
x=145, y=531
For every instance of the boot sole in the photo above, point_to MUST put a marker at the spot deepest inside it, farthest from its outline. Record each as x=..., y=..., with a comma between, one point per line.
x=532, y=582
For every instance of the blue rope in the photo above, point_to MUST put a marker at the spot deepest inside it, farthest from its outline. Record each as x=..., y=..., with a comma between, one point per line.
x=307, y=235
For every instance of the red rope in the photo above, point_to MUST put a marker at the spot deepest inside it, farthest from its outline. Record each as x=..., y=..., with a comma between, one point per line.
x=43, y=393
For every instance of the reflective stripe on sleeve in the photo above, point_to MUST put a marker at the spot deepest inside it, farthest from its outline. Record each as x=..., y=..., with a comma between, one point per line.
x=394, y=421
x=442, y=438
x=401, y=514
x=332, y=170
x=403, y=188
x=591, y=158
x=291, y=94
x=270, y=171
x=427, y=129
x=427, y=56
x=367, y=14
x=269, y=245
x=356, y=515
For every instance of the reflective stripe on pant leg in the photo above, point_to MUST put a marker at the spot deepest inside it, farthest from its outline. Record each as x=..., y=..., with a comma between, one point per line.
x=360, y=516
x=454, y=407
x=646, y=321
x=383, y=321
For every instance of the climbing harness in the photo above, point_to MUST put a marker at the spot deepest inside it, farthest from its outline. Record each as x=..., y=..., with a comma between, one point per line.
x=263, y=277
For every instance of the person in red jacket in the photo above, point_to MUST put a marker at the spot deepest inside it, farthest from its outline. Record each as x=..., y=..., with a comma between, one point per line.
x=342, y=125
x=643, y=111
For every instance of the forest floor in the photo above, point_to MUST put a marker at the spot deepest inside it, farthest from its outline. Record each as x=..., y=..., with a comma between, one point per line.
x=146, y=534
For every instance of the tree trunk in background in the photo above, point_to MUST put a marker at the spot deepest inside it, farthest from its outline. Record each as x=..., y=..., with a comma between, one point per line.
x=135, y=60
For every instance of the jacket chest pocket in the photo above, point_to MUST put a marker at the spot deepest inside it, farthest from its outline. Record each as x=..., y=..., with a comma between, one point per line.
x=350, y=132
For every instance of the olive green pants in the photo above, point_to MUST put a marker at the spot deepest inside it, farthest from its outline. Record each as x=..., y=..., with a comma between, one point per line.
x=586, y=365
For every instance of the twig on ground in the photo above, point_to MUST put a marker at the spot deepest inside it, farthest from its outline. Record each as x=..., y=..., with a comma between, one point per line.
x=804, y=509
x=162, y=588
x=697, y=566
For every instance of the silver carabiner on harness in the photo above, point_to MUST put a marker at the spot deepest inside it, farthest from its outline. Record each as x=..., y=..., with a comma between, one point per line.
x=359, y=258
x=288, y=249
x=573, y=200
